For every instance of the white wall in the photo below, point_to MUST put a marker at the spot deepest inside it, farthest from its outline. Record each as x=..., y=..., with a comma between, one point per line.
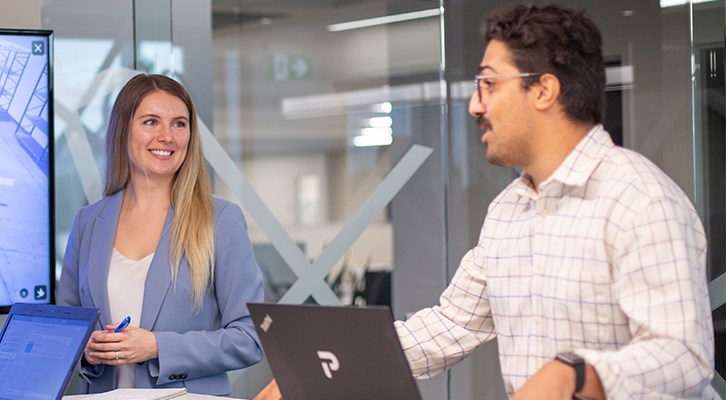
x=273, y=178
x=20, y=14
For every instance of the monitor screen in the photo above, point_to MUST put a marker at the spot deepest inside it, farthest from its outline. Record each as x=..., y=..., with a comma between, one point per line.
x=26, y=168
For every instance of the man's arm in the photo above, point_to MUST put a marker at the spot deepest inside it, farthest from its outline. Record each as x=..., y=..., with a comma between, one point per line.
x=556, y=381
x=659, y=275
x=434, y=339
x=659, y=282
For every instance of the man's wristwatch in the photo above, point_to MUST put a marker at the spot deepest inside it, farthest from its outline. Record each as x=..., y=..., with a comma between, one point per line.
x=578, y=363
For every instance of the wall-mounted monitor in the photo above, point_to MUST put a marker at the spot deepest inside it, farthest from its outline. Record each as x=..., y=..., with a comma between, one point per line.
x=27, y=260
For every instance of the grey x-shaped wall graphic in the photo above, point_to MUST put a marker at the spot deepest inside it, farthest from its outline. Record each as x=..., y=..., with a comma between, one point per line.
x=310, y=275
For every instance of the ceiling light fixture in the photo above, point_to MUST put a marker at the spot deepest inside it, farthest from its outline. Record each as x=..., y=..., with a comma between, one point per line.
x=376, y=132
x=673, y=3
x=364, y=23
x=380, y=122
x=374, y=140
x=384, y=107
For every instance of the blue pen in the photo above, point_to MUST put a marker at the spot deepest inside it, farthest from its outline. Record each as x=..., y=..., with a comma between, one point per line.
x=123, y=325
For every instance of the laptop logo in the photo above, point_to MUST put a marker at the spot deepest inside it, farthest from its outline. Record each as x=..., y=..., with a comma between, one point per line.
x=266, y=322
x=330, y=363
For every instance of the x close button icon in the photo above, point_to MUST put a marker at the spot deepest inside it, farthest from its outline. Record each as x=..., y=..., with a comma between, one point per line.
x=38, y=48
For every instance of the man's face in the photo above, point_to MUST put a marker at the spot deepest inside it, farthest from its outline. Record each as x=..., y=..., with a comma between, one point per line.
x=505, y=111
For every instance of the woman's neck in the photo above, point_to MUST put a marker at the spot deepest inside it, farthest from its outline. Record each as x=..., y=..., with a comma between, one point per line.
x=146, y=194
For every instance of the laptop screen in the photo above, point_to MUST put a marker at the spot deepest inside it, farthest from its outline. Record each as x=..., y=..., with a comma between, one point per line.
x=333, y=353
x=38, y=355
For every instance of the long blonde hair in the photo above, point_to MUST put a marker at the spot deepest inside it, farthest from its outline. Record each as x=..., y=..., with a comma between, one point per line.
x=191, y=192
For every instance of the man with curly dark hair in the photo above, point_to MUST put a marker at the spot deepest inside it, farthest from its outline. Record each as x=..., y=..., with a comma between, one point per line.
x=591, y=266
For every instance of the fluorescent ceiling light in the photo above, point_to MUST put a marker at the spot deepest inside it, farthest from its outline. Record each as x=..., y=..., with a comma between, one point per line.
x=364, y=23
x=621, y=75
x=384, y=107
x=380, y=122
x=673, y=3
x=376, y=132
x=373, y=140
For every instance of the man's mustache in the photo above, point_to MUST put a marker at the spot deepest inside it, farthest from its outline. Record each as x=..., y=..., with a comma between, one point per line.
x=483, y=123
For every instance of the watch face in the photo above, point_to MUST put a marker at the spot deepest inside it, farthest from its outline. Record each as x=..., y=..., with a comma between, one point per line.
x=570, y=358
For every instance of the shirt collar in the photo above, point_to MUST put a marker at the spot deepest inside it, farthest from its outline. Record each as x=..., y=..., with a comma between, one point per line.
x=577, y=167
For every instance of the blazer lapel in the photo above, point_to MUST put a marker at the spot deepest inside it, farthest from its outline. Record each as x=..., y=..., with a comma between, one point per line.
x=158, y=279
x=102, y=238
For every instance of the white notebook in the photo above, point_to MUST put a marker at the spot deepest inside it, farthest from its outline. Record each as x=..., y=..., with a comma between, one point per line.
x=133, y=394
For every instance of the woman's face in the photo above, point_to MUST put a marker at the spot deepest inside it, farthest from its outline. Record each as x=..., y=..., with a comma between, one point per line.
x=159, y=136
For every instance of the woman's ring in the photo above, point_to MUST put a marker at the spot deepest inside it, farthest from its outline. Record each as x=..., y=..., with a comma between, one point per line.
x=117, y=354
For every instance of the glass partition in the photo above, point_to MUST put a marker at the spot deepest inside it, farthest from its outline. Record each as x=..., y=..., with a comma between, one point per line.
x=85, y=46
x=332, y=113
x=709, y=153
x=665, y=100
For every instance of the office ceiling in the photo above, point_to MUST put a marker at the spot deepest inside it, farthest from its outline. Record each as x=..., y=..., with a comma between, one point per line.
x=227, y=13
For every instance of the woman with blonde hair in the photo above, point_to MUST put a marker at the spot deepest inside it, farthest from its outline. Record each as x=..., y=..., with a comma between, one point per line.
x=160, y=248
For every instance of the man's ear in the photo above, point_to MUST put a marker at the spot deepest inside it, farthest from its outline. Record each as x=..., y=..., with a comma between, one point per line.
x=546, y=92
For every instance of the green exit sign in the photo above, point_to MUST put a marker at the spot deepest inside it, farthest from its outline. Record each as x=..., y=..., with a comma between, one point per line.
x=290, y=67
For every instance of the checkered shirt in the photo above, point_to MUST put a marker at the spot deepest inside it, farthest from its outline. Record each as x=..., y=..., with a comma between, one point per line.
x=607, y=259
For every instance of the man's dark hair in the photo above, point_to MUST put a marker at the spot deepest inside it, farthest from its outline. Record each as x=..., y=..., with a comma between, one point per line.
x=557, y=40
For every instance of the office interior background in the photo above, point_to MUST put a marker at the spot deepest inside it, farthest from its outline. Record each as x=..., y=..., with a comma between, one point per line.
x=341, y=128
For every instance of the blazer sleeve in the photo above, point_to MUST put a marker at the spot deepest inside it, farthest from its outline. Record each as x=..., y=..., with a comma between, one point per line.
x=237, y=281
x=70, y=283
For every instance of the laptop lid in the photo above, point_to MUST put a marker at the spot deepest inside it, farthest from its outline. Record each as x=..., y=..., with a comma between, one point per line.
x=333, y=353
x=40, y=345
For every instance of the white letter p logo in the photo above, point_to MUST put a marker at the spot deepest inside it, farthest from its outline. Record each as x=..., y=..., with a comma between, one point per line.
x=330, y=363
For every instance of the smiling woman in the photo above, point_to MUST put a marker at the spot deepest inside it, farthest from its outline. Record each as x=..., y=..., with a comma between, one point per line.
x=159, y=136
x=161, y=249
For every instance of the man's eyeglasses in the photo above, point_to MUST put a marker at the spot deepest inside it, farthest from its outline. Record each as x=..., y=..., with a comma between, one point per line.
x=479, y=78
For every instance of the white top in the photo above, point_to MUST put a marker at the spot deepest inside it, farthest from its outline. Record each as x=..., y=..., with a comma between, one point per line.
x=607, y=259
x=126, y=280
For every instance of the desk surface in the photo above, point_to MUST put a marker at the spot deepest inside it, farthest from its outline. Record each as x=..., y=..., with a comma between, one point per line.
x=188, y=396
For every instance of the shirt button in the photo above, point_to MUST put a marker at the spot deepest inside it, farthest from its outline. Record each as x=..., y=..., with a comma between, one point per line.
x=538, y=266
x=536, y=319
x=545, y=213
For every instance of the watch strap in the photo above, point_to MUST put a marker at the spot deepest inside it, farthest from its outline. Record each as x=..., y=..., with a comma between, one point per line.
x=578, y=364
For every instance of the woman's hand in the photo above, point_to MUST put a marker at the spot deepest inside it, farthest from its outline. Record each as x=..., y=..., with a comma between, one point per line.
x=133, y=345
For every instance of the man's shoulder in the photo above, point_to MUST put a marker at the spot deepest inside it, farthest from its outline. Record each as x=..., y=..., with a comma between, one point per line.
x=636, y=174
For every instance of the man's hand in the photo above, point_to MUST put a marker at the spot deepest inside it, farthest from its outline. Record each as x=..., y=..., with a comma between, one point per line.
x=556, y=381
x=270, y=392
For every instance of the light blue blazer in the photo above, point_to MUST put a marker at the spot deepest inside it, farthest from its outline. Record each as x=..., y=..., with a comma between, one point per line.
x=195, y=349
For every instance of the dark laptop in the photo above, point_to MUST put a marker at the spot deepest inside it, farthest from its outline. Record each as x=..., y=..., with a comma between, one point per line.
x=333, y=353
x=40, y=346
